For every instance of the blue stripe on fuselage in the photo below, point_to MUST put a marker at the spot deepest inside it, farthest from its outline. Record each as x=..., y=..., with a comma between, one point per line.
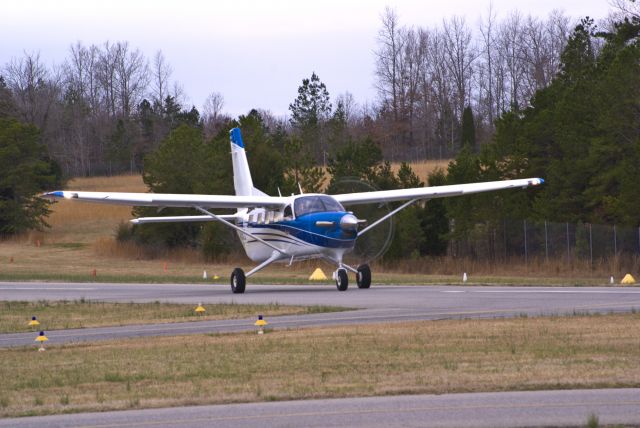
x=305, y=229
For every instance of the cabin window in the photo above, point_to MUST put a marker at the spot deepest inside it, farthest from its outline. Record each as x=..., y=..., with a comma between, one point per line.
x=331, y=204
x=288, y=214
x=316, y=203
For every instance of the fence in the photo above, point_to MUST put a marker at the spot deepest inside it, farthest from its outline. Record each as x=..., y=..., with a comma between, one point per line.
x=534, y=241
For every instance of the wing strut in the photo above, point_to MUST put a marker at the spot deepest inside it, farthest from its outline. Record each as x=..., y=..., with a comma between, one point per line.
x=275, y=256
x=241, y=230
x=380, y=220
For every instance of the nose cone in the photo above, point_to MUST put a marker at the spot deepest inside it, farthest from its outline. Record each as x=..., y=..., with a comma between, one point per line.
x=349, y=223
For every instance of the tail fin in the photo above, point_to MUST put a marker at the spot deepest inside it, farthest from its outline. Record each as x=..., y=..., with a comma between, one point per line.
x=241, y=175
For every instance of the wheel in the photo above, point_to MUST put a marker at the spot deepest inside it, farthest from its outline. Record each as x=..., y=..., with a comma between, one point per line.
x=238, y=281
x=363, y=277
x=342, y=280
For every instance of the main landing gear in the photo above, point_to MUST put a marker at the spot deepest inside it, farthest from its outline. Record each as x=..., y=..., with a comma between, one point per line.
x=238, y=281
x=363, y=277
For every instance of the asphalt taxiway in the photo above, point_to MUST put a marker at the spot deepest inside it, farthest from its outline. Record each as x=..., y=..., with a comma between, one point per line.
x=495, y=409
x=378, y=304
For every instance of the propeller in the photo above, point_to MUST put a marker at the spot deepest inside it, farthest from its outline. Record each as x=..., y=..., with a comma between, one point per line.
x=373, y=244
x=349, y=223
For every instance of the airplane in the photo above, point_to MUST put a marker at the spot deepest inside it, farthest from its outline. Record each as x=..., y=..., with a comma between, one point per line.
x=287, y=228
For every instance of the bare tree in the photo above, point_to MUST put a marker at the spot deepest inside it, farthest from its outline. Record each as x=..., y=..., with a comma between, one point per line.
x=212, y=114
x=161, y=73
x=487, y=91
x=78, y=79
x=35, y=90
x=213, y=105
x=178, y=94
x=387, y=61
x=443, y=93
x=106, y=74
x=426, y=105
x=558, y=28
x=511, y=45
x=81, y=74
x=626, y=8
x=535, y=57
x=132, y=74
x=351, y=108
x=411, y=68
x=460, y=53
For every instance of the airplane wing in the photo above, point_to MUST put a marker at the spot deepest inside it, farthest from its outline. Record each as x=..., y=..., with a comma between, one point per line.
x=433, y=192
x=169, y=200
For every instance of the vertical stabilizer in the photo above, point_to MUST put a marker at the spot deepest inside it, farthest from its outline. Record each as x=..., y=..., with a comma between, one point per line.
x=242, y=181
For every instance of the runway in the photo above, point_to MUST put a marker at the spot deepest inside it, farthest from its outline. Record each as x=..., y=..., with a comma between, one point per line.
x=376, y=305
x=497, y=409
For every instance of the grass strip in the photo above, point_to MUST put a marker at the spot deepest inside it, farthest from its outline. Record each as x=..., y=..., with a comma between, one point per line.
x=380, y=278
x=596, y=351
x=54, y=315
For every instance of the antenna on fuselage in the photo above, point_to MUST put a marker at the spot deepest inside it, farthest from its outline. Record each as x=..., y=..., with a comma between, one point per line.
x=300, y=187
x=279, y=193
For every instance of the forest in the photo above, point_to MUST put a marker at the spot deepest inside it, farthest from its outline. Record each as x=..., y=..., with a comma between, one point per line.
x=556, y=98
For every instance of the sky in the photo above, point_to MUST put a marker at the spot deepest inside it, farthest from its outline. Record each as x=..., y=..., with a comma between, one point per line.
x=254, y=52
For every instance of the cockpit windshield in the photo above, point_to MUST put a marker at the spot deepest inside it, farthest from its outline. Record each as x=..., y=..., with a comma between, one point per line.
x=316, y=203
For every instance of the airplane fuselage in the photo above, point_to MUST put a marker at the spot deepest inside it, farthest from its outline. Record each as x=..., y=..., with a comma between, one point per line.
x=311, y=226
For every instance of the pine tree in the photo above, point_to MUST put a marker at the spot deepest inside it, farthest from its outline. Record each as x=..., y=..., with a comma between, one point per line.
x=434, y=220
x=309, y=112
x=25, y=172
x=468, y=129
x=182, y=164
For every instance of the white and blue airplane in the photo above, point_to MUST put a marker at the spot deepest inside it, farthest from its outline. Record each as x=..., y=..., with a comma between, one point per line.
x=287, y=228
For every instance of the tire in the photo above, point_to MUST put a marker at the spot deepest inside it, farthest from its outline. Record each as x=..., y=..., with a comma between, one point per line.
x=363, y=277
x=342, y=280
x=238, y=281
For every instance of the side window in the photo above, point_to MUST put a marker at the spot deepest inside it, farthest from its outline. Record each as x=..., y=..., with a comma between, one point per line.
x=288, y=214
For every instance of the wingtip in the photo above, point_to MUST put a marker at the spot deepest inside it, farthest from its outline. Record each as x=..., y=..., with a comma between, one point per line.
x=53, y=195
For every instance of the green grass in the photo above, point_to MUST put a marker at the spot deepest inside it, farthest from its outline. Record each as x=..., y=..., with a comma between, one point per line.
x=399, y=358
x=54, y=315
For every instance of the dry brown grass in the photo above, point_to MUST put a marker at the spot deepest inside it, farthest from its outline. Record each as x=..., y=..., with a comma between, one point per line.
x=418, y=357
x=518, y=270
x=424, y=168
x=81, y=314
x=82, y=222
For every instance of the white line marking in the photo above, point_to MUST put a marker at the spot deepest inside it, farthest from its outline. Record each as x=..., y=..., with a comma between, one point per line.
x=580, y=291
x=47, y=288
